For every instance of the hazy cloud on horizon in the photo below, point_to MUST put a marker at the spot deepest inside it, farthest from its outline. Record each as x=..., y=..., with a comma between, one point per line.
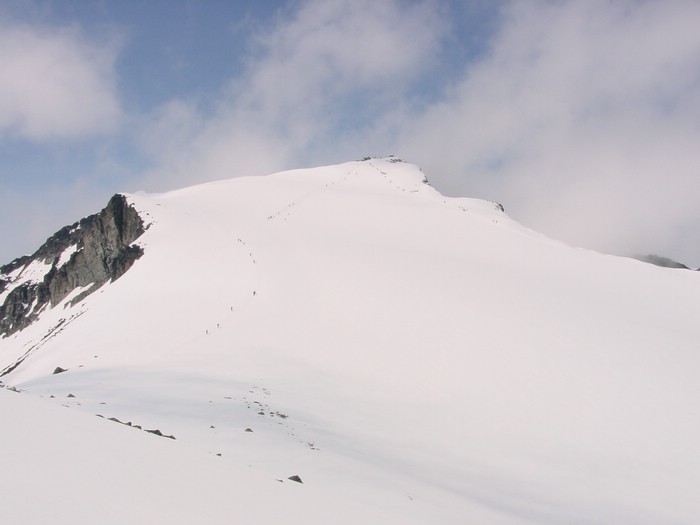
x=584, y=119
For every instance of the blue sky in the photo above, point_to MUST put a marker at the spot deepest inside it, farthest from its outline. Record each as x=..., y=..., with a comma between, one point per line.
x=581, y=117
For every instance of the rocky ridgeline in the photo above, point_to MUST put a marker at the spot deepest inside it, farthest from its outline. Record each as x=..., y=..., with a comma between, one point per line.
x=664, y=262
x=89, y=253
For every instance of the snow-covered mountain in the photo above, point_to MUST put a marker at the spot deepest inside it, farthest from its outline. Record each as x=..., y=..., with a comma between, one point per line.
x=412, y=358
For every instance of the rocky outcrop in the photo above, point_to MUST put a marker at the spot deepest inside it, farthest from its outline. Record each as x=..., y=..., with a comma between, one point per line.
x=664, y=262
x=87, y=254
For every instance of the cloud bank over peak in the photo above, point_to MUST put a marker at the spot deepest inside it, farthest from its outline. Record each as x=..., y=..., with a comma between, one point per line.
x=582, y=120
x=55, y=84
x=313, y=82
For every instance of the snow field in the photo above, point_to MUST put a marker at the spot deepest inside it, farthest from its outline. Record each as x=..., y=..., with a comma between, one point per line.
x=424, y=358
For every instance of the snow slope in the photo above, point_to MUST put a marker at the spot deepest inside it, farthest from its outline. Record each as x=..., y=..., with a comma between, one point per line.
x=413, y=357
x=80, y=469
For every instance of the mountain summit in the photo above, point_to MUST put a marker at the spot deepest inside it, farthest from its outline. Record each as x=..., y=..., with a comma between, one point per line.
x=412, y=358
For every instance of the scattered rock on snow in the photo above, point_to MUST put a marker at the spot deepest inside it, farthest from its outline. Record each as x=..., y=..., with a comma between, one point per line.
x=58, y=370
x=295, y=478
x=159, y=433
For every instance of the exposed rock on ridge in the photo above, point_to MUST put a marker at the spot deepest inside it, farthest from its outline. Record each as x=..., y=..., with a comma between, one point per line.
x=664, y=262
x=89, y=253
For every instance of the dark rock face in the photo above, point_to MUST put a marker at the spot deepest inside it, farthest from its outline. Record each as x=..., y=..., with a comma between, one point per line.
x=665, y=262
x=103, y=251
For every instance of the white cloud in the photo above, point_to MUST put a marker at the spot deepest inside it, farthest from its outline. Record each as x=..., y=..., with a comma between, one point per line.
x=584, y=118
x=314, y=77
x=54, y=84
